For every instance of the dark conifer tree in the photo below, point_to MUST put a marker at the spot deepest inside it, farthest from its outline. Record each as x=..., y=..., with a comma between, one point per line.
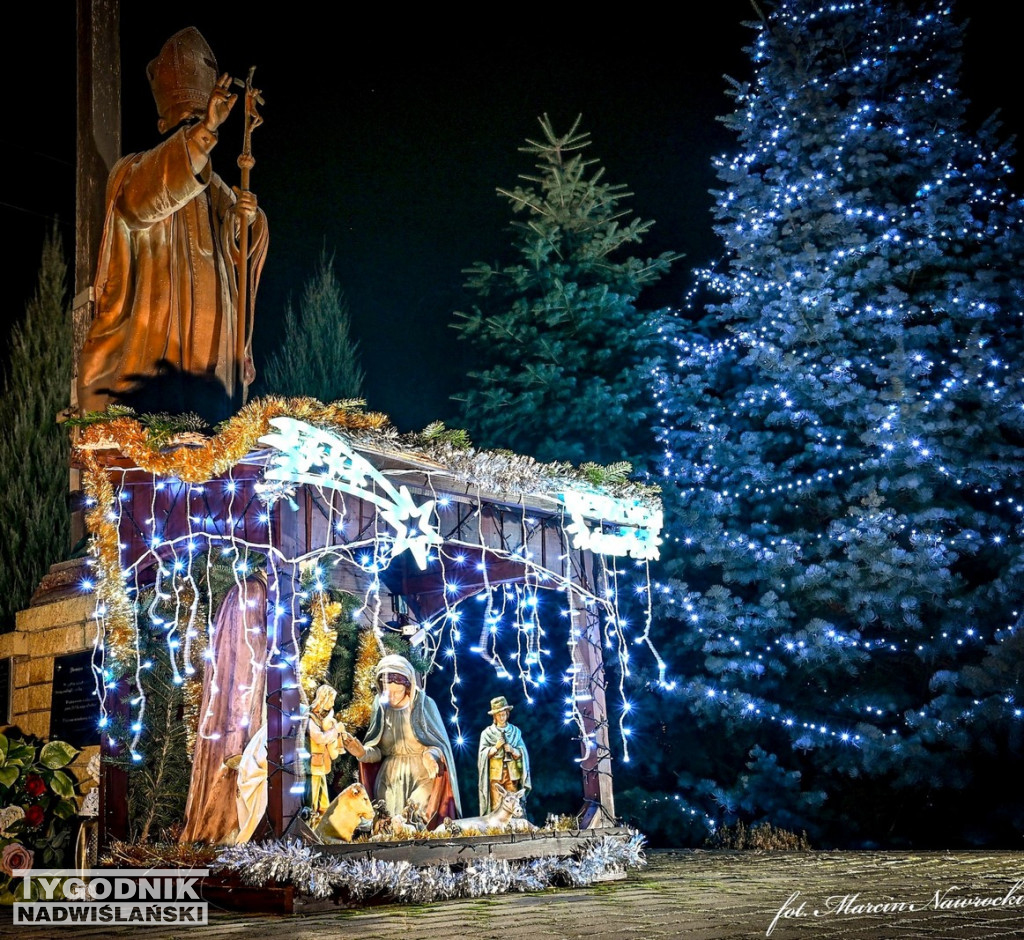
x=844, y=444
x=317, y=357
x=34, y=448
x=563, y=348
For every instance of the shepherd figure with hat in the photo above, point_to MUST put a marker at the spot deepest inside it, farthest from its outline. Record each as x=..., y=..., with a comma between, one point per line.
x=502, y=758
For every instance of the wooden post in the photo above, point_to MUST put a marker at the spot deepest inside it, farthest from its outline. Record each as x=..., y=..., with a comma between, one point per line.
x=113, y=814
x=589, y=686
x=98, y=147
x=99, y=126
x=284, y=765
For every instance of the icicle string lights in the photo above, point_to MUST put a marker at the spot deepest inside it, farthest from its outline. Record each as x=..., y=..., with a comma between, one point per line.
x=223, y=517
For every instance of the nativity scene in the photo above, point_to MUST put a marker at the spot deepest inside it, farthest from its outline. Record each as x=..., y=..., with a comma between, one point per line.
x=284, y=604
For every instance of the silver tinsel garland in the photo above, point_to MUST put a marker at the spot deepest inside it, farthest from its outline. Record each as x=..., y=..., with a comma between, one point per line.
x=498, y=471
x=321, y=876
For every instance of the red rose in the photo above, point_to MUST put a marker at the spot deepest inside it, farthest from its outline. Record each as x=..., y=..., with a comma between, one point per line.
x=35, y=785
x=33, y=816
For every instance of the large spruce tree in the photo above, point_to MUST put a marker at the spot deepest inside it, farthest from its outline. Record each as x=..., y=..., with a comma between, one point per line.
x=34, y=448
x=317, y=357
x=563, y=348
x=844, y=449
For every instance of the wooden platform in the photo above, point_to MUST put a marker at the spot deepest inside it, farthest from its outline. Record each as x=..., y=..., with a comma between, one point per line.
x=228, y=892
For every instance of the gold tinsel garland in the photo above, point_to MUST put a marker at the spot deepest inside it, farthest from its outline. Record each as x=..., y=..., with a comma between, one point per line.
x=356, y=715
x=114, y=607
x=237, y=437
x=193, y=464
x=316, y=653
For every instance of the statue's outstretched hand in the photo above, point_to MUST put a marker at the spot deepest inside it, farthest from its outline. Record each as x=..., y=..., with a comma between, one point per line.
x=354, y=747
x=430, y=764
x=220, y=103
x=248, y=370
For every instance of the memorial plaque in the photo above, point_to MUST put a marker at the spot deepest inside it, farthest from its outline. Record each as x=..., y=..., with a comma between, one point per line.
x=75, y=707
x=5, y=691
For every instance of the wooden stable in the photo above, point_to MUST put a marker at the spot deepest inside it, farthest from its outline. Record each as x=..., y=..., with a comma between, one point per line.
x=500, y=536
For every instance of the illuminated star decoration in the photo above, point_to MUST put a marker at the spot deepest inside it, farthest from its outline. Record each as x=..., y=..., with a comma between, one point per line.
x=307, y=454
x=413, y=529
x=636, y=527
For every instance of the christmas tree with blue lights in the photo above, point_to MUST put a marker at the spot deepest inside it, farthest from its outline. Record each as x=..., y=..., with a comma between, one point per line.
x=843, y=431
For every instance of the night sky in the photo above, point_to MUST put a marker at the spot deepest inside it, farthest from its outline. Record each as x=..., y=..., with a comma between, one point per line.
x=385, y=143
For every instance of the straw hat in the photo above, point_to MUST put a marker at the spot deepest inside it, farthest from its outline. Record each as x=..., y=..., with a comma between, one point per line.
x=499, y=704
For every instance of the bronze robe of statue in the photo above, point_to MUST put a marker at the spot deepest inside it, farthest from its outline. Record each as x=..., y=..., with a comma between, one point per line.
x=166, y=281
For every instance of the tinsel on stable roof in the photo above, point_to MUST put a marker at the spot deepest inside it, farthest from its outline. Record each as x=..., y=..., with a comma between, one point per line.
x=183, y=446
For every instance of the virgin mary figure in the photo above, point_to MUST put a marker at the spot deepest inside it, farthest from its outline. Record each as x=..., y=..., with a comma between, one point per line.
x=405, y=759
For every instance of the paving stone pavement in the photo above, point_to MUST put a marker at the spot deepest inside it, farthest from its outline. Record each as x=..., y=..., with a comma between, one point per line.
x=678, y=895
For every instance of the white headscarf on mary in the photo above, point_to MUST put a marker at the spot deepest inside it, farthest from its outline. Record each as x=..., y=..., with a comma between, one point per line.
x=392, y=768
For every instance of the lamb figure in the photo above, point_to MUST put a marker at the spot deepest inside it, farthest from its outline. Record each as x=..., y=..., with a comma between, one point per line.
x=509, y=816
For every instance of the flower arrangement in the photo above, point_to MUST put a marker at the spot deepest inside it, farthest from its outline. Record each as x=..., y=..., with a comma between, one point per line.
x=37, y=806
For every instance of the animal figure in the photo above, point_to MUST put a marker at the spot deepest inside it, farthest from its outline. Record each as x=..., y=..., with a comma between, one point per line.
x=349, y=810
x=381, y=828
x=405, y=825
x=509, y=816
x=409, y=822
x=401, y=828
x=521, y=824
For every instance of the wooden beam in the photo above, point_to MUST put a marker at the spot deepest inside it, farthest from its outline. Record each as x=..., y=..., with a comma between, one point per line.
x=97, y=149
x=113, y=811
x=285, y=731
x=589, y=690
